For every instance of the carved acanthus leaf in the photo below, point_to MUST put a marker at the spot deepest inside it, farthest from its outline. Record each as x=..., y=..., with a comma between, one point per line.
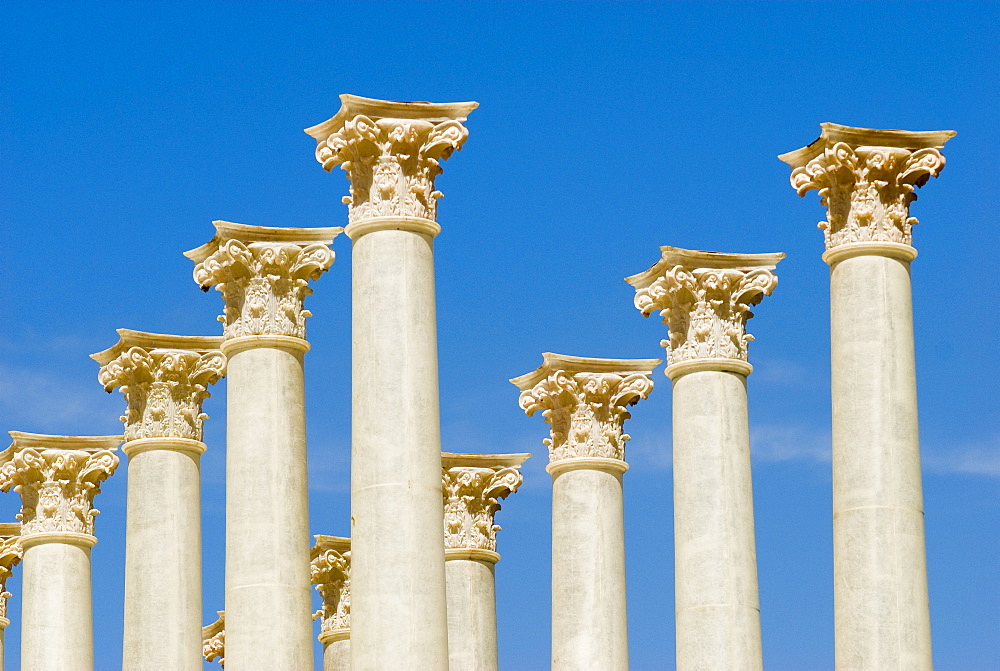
x=867, y=191
x=264, y=285
x=392, y=164
x=331, y=574
x=586, y=411
x=57, y=487
x=164, y=389
x=471, y=499
x=10, y=556
x=706, y=309
x=214, y=640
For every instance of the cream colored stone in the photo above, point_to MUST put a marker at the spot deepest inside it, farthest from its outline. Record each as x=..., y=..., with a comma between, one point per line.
x=263, y=274
x=584, y=402
x=214, y=640
x=330, y=569
x=705, y=299
x=867, y=179
x=10, y=556
x=392, y=153
x=474, y=484
x=165, y=379
x=57, y=478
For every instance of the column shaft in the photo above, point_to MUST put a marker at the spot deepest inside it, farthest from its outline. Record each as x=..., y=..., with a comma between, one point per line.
x=882, y=617
x=589, y=624
x=717, y=608
x=268, y=601
x=57, y=630
x=398, y=612
x=337, y=655
x=472, y=615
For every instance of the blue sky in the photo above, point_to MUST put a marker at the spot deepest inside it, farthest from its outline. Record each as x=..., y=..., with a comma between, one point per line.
x=605, y=131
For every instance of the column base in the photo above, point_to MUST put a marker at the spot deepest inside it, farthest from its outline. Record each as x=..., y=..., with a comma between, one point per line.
x=892, y=250
x=67, y=537
x=475, y=554
x=738, y=366
x=288, y=343
x=187, y=445
x=419, y=225
x=614, y=466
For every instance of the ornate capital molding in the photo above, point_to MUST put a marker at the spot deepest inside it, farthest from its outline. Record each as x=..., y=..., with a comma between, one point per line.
x=330, y=569
x=583, y=401
x=10, y=556
x=473, y=485
x=705, y=299
x=391, y=152
x=866, y=179
x=263, y=274
x=213, y=638
x=57, y=478
x=165, y=379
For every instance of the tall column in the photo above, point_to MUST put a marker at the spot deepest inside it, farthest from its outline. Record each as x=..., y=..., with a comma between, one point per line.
x=867, y=179
x=165, y=379
x=474, y=484
x=10, y=556
x=214, y=640
x=263, y=274
x=331, y=574
x=584, y=401
x=705, y=299
x=57, y=478
x=392, y=153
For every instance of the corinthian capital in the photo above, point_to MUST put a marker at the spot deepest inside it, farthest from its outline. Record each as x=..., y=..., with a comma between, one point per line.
x=705, y=299
x=584, y=402
x=263, y=273
x=330, y=568
x=10, y=556
x=473, y=486
x=213, y=637
x=391, y=152
x=57, y=478
x=867, y=179
x=165, y=379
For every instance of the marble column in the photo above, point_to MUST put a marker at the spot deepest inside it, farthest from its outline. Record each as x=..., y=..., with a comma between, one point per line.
x=165, y=379
x=705, y=299
x=867, y=179
x=392, y=153
x=10, y=556
x=57, y=478
x=213, y=638
x=331, y=574
x=474, y=484
x=263, y=274
x=584, y=402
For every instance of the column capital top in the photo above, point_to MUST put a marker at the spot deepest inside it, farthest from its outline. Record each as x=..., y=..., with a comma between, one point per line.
x=248, y=234
x=330, y=572
x=127, y=339
x=473, y=486
x=691, y=259
x=468, y=460
x=41, y=441
x=833, y=133
x=339, y=544
x=553, y=363
x=213, y=638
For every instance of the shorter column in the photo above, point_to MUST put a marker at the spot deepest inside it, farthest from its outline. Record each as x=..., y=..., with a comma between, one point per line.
x=705, y=299
x=473, y=487
x=331, y=574
x=213, y=638
x=165, y=379
x=583, y=401
x=10, y=556
x=57, y=478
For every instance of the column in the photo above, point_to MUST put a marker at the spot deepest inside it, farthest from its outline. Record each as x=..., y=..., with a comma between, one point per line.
x=705, y=299
x=392, y=152
x=57, y=478
x=214, y=640
x=867, y=179
x=165, y=379
x=331, y=574
x=10, y=556
x=263, y=274
x=474, y=484
x=584, y=403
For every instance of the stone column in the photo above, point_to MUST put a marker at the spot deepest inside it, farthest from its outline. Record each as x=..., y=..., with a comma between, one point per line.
x=867, y=179
x=584, y=401
x=705, y=299
x=473, y=487
x=10, y=556
x=57, y=478
x=392, y=152
x=165, y=379
x=263, y=274
x=331, y=574
x=214, y=640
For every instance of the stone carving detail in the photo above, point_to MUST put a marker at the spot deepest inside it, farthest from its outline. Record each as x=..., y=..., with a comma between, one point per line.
x=471, y=499
x=10, y=556
x=214, y=640
x=330, y=570
x=392, y=164
x=706, y=309
x=586, y=411
x=264, y=285
x=867, y=191
x=57, y=487
x=164, y=389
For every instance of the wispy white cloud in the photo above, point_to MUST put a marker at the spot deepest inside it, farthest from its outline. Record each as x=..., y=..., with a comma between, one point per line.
x=789, y=442
x=975, y=458
x=46, y=402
